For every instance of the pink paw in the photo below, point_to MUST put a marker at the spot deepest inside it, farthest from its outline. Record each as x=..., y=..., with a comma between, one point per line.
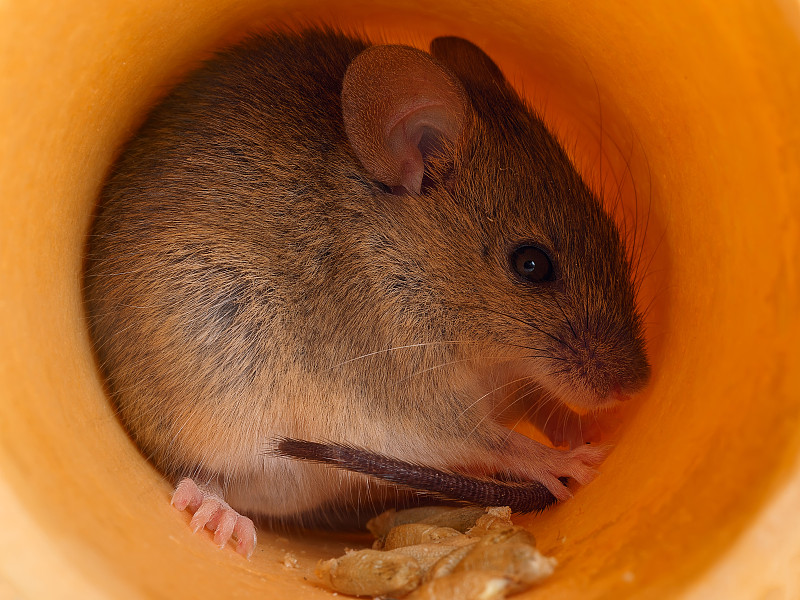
x=537, y=462
x=213, y=513
x=578, y=464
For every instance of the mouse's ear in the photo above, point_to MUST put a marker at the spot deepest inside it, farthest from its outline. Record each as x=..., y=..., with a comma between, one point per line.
x=468, y=62
x=398, y=104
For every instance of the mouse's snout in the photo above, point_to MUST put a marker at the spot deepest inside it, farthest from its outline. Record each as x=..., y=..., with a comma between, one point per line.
x=601, y=368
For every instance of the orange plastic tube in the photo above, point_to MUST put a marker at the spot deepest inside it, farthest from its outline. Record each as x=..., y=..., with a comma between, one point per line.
x=689, y=110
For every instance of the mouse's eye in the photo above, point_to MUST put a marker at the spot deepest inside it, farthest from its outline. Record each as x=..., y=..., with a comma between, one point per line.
x=532, y=264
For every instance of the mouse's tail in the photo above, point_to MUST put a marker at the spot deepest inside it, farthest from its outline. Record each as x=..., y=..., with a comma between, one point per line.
x=522, y=497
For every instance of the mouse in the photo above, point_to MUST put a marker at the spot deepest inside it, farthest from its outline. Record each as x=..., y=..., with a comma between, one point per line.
x=317, y=238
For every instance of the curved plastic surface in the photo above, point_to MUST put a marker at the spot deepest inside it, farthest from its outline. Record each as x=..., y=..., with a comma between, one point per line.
x=689, y=108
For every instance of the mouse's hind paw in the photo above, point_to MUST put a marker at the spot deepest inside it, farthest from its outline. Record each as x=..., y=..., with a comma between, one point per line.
x=212, y=512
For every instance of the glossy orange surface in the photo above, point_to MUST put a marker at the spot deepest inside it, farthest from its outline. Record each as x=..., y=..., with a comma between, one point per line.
x=687, y=110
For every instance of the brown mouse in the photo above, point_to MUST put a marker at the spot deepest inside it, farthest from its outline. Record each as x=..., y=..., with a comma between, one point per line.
x=319, y=239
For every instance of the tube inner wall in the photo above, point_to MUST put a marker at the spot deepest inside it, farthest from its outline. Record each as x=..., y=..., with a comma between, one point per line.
x=685, y=111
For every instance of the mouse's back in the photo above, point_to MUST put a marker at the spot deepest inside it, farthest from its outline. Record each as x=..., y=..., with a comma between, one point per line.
x=209, y=226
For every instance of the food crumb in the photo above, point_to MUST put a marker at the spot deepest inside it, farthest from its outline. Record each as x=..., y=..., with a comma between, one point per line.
x=445, y=553
x=289, y=561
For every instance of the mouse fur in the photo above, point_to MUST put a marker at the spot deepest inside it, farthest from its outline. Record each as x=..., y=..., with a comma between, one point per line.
x=255, y=273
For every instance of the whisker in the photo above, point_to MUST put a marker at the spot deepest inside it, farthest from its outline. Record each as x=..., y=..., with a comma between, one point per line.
x=566, y=318
x=650, y=260
x=455, y=362
x=492, y=391
x=393, y=348
x=529, y=389
x=488, y=413
x=559, y=372
x=553, y=411
x=649, y=209
x=546, y=399
x=524, y=347
x=528, y=323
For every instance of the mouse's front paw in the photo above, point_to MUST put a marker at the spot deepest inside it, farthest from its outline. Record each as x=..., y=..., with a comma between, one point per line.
x=537, y=462
x=578, y=464
x=212, y=512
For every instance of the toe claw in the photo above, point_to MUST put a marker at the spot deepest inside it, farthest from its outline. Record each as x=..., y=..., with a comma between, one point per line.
x=213, y=522
x=225, y=527
x=557, y=488
x=187, y=495
x=204, y=514
x=585, y=475
x=245, y=533
x=545, y=464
